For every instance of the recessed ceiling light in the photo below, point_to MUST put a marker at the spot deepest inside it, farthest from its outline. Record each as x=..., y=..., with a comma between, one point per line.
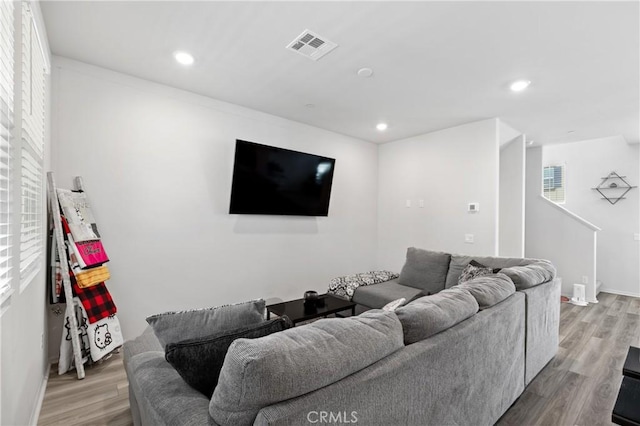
x=519, y=85
x=530, y=143
x=381, y=126
x=310, y=106
x=571, y=131
x=365, y=72
x=183, y=58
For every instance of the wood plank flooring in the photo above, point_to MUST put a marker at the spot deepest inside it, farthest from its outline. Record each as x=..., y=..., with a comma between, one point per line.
x=578, y=387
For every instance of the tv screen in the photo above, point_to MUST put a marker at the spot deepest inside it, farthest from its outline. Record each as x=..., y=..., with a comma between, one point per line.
x=276, y=181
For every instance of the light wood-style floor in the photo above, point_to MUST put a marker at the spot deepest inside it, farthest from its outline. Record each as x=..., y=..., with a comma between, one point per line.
x=578, y=387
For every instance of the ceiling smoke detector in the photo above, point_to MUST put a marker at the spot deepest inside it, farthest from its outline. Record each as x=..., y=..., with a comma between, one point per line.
x=311, y=45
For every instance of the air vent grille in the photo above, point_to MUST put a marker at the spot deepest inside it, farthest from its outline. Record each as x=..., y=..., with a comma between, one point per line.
x=311, y=45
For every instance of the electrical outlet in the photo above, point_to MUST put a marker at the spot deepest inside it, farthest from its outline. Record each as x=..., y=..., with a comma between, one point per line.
x=421, y=204
x=468, y=238
x=585, y=279
x=41, y=340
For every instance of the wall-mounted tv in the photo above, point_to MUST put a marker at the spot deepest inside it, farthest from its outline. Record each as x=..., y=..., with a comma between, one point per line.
x=276, y=181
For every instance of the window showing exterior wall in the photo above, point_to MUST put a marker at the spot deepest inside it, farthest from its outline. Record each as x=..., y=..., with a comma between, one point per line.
x=554, y=183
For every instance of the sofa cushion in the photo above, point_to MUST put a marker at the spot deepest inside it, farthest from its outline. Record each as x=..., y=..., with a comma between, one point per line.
x=199, y=361
x=378, y=295
x=430, y=315
x=146, y=342
x=489, y=289
x=530, y=275
x=458, y=263
x=425, y=269
x=172, y=327
x=162, y=396
x=260, y=372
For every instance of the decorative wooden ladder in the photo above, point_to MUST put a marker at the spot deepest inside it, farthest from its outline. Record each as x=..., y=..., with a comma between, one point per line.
x=64, y=265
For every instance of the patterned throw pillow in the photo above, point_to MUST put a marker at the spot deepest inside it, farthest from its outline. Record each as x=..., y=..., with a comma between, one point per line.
x=345, y=286
x=475, y=269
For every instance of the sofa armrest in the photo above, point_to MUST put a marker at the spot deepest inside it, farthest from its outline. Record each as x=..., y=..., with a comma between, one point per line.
x=542, y=326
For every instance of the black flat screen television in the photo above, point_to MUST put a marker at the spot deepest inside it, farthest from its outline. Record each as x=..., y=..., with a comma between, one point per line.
x=276, y=181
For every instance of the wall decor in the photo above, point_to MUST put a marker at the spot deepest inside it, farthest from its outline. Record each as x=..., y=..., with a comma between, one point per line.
x=613, y=187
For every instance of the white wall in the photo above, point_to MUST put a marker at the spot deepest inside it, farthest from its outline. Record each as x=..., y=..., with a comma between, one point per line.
x=447, y=169
x=512, y=187
x=586, y=162
x=157, y=165
x=554, y=233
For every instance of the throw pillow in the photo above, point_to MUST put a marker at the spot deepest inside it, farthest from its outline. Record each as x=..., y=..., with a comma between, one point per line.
x=199, y=361
x=475, y=269
x=392, y=306
x=172, y=327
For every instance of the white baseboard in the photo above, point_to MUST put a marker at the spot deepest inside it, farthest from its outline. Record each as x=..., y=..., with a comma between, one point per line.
x=621, y=293
x=35, y=415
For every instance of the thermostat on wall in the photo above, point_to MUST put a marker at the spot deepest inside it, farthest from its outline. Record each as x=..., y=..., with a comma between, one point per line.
x=473, y=207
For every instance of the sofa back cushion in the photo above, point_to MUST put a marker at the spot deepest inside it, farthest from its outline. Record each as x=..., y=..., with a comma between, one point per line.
x=260, y=372
x=459, y=262
x=430, y=315
x=489, y=289
x=425, y=269
x=199, y=361
x=530, y=275
x=171, y=327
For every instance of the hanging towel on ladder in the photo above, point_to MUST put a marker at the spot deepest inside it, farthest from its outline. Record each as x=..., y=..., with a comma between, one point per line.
x=86, y=254
x=96, y=300
x=76, y=209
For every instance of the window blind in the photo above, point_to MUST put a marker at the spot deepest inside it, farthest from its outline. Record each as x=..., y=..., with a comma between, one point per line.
x=32, y=84
x=33, y=97
x=6, y=127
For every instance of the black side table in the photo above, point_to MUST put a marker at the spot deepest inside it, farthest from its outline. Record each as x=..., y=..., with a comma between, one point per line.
x=626, y=412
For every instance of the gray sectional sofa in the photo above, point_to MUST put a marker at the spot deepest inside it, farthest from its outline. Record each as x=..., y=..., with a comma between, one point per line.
x=460, y=356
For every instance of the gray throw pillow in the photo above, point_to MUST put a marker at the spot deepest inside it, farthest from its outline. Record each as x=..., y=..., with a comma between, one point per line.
x=489, y=290
x=425, y=269
x=171, y=327
x=430, y=315
x=199, y=361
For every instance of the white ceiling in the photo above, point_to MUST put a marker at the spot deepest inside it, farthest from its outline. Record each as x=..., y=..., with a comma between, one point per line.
x=436, y=64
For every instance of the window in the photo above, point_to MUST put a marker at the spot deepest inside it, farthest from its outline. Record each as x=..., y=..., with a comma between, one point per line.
x=554, y=183
x=6, y=126
x=32, y=138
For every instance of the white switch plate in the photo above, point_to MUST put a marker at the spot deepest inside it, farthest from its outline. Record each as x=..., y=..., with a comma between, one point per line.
x=636, y=237
x=408, y=203
x=468, y=238
x=421, y=204
x=585, y=279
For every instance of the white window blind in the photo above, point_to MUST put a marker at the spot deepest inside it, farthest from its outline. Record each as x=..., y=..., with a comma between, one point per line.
x=6, y=126
x=31, y=216
x=33, y=97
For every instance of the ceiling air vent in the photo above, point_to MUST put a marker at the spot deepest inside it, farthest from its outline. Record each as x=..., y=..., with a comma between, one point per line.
x=311, y=45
